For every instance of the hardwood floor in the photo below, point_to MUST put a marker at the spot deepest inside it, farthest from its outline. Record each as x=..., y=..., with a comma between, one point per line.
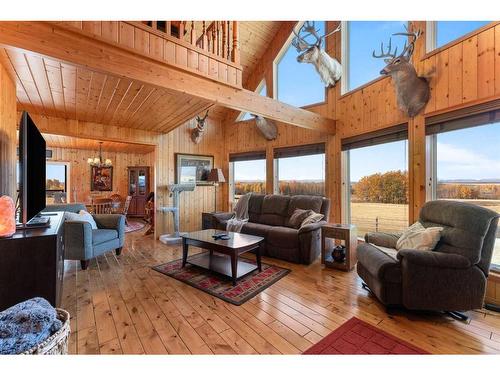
x=120, y=305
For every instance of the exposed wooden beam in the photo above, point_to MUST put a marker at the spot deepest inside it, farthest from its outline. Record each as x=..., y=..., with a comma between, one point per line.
x=74, y=47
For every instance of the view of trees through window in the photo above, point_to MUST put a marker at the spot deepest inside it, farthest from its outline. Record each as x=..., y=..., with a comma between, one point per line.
x=379, y=187
x=299, y=84
x=468, y=169
x=55, y=183
x=249, y=177
x=301, y=175
x=363, y=38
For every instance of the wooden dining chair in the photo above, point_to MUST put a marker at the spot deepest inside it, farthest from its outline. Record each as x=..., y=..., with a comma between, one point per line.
x=116, y=204
x=101, y=205
x=126, y=205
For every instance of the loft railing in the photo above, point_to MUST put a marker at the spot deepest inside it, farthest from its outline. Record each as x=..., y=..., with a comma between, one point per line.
x=217, y=37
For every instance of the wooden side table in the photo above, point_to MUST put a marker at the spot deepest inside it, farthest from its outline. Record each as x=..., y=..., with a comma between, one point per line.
x=346, y=233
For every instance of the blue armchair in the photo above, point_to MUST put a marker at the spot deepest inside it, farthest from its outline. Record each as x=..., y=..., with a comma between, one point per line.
x=83, y=243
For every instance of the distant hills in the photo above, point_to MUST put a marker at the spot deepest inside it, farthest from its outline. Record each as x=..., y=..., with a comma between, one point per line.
x=471, y=181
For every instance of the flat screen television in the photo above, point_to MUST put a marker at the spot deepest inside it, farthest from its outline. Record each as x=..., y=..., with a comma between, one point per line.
x=32, y=160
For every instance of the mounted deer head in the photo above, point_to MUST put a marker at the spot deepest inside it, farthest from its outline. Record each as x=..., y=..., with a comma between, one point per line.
x=197, y=132
x=327, y=67
x=412, y=91
x=267, y=127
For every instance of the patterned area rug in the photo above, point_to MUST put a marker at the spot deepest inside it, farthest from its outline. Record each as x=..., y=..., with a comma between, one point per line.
x=133, y=226
x=220, y=286
x=358, y=337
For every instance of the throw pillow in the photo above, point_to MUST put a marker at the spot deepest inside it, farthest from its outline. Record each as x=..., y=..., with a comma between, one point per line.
x=419, y=238
x=313, y=218
x=298, y=217
x=81, y=216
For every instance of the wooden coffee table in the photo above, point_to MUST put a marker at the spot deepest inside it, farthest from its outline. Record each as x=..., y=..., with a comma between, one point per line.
x=226, y=261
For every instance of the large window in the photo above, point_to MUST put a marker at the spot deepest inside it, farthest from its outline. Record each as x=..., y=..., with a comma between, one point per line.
x=56, y=186
x=247, y=174
x=466, y=165
x=377, y=194
x=300, y=170
x=447, y=31
x=297, y=83
x=361, y=39
x=262, y=91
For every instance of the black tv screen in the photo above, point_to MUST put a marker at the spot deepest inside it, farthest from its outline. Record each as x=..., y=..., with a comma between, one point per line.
x=31, y=168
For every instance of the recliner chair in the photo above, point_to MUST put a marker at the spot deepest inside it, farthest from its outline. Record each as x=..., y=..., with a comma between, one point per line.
x=83, y=243
x=450, y=278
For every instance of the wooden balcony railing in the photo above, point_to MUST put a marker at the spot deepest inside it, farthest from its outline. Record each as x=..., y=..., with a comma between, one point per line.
x=209, y=48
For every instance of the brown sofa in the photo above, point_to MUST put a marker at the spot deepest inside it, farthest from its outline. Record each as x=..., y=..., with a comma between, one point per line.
x=269, y=218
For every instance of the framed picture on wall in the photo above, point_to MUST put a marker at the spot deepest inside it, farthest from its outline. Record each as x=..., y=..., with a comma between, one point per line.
x=193, y=168
x=101, y=178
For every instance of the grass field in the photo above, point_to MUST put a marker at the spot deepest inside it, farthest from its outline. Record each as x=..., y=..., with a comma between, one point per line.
x=382, y=217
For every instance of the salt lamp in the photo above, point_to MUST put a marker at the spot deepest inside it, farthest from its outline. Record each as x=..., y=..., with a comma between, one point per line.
x=7, y=216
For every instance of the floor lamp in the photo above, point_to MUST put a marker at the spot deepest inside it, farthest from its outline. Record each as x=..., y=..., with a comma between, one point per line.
x=216, y=176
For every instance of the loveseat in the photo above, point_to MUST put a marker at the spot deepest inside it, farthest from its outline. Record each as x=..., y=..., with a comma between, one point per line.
x=269, y=218
x=452, y=277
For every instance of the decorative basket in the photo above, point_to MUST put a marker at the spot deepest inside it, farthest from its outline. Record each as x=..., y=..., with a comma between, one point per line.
x=58, y=342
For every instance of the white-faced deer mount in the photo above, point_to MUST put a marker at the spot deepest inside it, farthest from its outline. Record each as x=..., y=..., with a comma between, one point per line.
x=412, y=91
x=327, y=67
x=267, y=127
x=197, y=132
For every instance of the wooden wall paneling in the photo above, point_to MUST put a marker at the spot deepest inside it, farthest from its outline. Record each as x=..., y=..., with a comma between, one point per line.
x=497, y=59
x=126, y=36
x=110, y=30
x=8, y=135
x=486, y=63
x=417, y=166
x=442, y=80
x=455, y=75
x=469, y=87
x=141, y=40
x=93, y=27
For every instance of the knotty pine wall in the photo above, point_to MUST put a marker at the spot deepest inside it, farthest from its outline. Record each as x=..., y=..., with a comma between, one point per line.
x=79, y=172
x=7, y=134
x=192, y=204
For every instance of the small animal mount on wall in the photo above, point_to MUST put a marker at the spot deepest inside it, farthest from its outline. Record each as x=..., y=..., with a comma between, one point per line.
x=267, y=127
x=412, y=91
x=197, y=132
x=328, y=68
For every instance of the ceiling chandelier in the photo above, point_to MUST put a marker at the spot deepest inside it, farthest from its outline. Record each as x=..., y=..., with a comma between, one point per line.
x=98, y=161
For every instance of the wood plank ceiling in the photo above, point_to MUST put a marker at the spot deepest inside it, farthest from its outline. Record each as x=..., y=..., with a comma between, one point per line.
x=62, y=141
x=49, y=87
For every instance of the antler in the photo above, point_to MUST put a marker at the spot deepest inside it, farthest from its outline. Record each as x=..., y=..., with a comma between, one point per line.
x=385, y=54
x=204, y=117
x=308, y=27
x=410, y=47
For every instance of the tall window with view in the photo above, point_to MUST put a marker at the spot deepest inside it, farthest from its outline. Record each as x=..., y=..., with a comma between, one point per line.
x=467, y=168
x=247, y=174
x=56, y=187
x=377, y=197
x=300, y=170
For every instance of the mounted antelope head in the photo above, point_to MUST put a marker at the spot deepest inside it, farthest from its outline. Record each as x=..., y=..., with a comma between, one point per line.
x=327, y=67
x=267, y=127
x=198, y=131
x=412, y=91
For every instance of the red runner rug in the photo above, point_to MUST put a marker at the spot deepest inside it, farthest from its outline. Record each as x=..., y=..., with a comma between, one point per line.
x=221, y=286
x=358, y=337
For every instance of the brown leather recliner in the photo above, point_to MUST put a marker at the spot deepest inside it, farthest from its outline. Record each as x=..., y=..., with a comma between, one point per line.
x=269, y=218
x=452, y=277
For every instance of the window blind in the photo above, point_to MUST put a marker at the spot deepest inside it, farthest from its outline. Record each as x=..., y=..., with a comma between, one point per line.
x=303, y=150
x=462, y=119
x=245, y=156
x=392, y=134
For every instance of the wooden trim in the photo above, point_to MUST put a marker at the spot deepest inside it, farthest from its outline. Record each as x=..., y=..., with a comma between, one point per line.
x=494, y=276
x=459, y=40
x=362, y=87
x=458, y=107
x=67, y=44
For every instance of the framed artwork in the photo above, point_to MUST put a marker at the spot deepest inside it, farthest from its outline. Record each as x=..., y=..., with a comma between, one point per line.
x=101, y=178
x=191, y=169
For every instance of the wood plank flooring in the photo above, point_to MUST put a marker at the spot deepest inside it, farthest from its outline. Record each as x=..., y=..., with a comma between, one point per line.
x=120, y=306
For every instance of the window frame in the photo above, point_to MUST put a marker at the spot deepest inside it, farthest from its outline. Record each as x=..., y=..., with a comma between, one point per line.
x=277, y=60
x=257, y=90
x=231, y=174
x=67, y=179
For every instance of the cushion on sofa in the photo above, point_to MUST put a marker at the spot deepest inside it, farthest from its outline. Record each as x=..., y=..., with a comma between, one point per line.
x=312, y=218
x=305, y=202
x=274, y=210
x=255, y=207
x=380, y=264
x=103, y=235
x=81, y=216
x=298, y=216
x=419, y=238
x=256, y=229
x=283, y=237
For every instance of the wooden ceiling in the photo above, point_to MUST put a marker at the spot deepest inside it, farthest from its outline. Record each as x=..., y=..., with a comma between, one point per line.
x=62, y=141
x=48, y=87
